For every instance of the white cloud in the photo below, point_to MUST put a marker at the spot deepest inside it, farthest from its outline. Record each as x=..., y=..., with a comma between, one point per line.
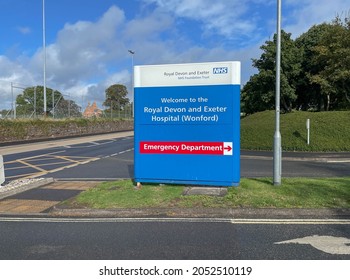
x=24, y=30
x=306, y=13
x=86, y=93
x=12, y=73
x=79, y=62
x=82, y=49
x=148, y=27
x=80, y=54
x=231, y=19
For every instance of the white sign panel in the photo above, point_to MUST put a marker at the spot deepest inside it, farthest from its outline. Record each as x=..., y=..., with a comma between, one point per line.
x=217, y=73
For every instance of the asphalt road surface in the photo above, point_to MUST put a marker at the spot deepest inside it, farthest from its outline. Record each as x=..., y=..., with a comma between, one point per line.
x=170, y=240
x=105, y=158
x=112, y=158
x=108, y=158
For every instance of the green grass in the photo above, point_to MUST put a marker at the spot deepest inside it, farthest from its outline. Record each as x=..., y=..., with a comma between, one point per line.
x=252, y=193
x=121, y=194
x=330, y=131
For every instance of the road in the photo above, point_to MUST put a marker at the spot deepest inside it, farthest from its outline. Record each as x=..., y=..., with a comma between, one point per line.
x=170, y=240
x=111, y=157
x=100, y=159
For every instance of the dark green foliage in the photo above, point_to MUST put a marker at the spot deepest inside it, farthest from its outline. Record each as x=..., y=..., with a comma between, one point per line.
x=31, y=103
x=116, y=97
x=259, y=93
x=315, y=71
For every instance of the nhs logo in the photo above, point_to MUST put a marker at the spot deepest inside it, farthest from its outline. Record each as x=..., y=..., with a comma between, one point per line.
x=220, y=70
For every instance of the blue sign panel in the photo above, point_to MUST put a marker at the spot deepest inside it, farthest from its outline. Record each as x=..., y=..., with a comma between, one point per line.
x=187, y=123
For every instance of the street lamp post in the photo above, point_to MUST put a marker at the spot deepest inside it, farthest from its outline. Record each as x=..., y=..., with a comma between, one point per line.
x=132, y=80
x=44, y=55
x=277, y=152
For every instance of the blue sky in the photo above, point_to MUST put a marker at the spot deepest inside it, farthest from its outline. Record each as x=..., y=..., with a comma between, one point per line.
x=87, y=41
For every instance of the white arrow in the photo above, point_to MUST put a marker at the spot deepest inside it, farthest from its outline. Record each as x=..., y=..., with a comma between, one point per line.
x=228, y=150
x=328, y=244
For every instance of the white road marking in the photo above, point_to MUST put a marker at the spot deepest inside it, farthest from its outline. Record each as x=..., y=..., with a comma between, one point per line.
x=328, y=244
x=292, y=221
x=171, y=220
x=110, y=220
x=119, y=153
x=339, y=161
x=305, y=159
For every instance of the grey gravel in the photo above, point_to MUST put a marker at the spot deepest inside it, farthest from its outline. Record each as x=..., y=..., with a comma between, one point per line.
x=21, y=185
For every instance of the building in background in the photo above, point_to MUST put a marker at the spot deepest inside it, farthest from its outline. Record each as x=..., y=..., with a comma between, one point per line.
x=92, y=111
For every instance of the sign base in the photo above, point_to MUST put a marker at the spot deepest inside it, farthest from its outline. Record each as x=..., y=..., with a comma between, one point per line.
x=188, y=183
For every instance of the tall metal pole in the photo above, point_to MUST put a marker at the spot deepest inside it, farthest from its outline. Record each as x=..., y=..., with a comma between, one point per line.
x=277, y=152
x=35, y=102
x=44, y=54
x=53, y=104
x=69, y=104
x=14, y=104
x=132, y=80
x=13, y=112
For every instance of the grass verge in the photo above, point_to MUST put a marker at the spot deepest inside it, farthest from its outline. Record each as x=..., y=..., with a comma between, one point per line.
x=252, y=193
x=330, y=131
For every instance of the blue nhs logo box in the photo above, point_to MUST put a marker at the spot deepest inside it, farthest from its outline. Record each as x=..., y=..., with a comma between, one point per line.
x=187, y=123
x=220, y=70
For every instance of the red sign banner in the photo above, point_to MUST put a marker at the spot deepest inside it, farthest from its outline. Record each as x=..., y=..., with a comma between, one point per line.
x=192, y=148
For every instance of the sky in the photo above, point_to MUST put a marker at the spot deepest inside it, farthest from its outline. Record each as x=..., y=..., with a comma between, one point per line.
x=87, y=41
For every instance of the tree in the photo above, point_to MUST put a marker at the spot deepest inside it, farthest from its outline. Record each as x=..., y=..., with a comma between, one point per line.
x=315, y=71
x=309, y=93
x=31, y=102
x=325, y=79
x=4, y=113
x=116, y=97
x=333, y=52
x=67, y=108
x=258, y=94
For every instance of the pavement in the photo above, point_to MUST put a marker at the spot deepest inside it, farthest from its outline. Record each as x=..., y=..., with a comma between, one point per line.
x=45, y=198
x=40, y=197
